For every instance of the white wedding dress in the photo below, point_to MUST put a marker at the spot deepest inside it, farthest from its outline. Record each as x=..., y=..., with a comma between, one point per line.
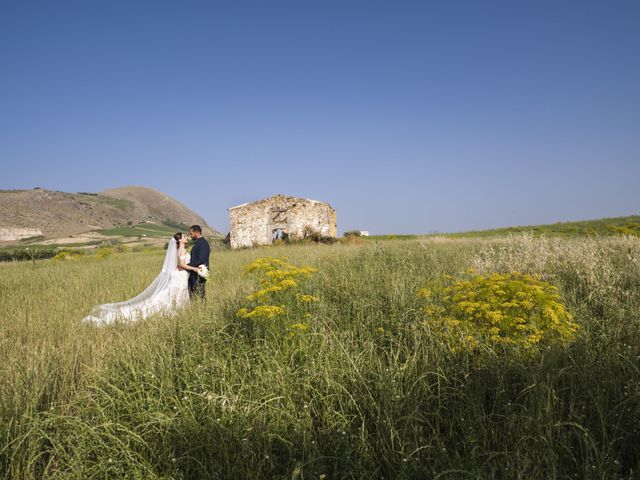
x=166, y=294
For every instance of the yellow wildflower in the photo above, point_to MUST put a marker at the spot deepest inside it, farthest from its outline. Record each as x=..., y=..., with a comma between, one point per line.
x=262, y=311
x=307, y=298
x=424, y=292
x=299, y=326
x=510, y=309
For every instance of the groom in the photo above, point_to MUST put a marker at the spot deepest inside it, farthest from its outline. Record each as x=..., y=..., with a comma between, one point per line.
x=199, y=256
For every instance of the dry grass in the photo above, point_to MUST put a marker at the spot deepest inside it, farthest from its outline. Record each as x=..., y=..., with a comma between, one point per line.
x=367, y=391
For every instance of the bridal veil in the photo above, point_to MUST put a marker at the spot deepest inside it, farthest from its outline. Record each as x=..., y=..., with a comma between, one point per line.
x=154, y=299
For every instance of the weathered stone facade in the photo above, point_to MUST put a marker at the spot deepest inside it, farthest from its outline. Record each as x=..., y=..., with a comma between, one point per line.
x=262, y=222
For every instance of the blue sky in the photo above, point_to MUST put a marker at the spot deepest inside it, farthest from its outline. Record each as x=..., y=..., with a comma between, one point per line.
x=407, y=117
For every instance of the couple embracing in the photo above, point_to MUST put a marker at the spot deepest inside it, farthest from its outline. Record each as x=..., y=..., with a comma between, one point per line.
x=182, y=278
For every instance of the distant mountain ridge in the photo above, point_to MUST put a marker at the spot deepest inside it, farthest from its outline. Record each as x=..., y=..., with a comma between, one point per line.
x=46, y=213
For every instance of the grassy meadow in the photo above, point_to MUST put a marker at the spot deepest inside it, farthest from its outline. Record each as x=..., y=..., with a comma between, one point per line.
x=364, y=390
x=629, y=225
x=143, y=229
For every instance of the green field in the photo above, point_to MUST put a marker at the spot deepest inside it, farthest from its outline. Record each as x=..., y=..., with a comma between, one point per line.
x=368, y=390
x=139, y=230
x=629, y=225
x=604, y=226
x=389, y=237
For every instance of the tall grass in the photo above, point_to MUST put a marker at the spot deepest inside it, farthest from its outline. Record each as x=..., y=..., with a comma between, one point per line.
x=366, y=392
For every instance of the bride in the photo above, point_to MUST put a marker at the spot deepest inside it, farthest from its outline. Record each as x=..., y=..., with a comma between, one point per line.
x=167, y=293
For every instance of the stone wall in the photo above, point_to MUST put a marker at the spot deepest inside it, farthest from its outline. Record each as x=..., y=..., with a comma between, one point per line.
x=257, y=223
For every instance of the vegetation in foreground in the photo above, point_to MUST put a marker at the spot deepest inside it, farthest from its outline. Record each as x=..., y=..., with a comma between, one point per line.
x=348, y=381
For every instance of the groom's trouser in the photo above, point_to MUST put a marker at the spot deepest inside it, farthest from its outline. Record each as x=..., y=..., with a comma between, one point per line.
x=196, y=286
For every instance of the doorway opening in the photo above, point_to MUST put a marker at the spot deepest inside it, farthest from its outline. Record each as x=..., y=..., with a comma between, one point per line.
x=279, y=234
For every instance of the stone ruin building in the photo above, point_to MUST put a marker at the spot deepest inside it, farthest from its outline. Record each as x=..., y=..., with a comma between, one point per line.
x=278, y=218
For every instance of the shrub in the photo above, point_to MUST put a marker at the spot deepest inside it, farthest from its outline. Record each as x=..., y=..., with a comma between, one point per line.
x=35, y=238
x=352, y=240
x=121, y=248
x=352, y=233
x=66, y=255
x=309, y=235
x=104, y=252
x=326, y=239
x=226, y=241
x=628, y=229
x=174, y=224
x=512, y=309
x=22, y=254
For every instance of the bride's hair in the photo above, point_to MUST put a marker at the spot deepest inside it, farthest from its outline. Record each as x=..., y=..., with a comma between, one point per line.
x=177, y=237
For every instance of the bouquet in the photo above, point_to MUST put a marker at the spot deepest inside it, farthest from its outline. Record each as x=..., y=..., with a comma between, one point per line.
x=203, y=271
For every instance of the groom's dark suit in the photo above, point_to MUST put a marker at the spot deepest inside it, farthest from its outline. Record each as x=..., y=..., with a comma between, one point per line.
x=199, y=256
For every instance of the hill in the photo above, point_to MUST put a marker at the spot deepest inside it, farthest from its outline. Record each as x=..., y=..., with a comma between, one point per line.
x=40, y=215
x=629, y=225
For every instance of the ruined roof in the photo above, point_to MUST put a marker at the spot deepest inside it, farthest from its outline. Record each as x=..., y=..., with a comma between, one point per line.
x=278, y=197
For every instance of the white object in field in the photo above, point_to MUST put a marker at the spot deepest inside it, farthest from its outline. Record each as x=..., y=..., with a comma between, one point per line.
x=203, y=271
x=11, y=234
x=166, y=294
x=364, y=233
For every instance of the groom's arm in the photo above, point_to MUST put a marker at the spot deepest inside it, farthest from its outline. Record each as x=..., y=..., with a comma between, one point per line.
x=206, y=251
x=196, y=256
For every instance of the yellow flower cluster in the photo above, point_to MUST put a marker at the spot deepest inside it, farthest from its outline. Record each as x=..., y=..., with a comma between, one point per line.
x=66, y=255
x=512, y=309
x=299, y=326
x=277, y=278
x=265, y=264
x=277, y=268
x=264, y=293
x=296, y=329
x=303, y=297
x=104, y=252
x=267, y=312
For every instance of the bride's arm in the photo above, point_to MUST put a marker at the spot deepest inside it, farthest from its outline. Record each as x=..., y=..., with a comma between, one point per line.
x=184, y=266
